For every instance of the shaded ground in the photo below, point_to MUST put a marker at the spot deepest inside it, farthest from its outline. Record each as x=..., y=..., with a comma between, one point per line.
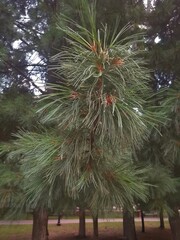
x=115, y=234
x=107, y=231
x=151, y=234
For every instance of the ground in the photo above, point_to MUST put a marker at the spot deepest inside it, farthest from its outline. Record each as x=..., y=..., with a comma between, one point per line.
x=107, y=231
x=114, y=234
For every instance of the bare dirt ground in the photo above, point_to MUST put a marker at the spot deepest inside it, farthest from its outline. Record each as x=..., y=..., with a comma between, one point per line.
x=111, y=234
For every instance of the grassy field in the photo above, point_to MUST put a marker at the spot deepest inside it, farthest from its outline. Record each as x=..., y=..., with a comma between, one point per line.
x=107, y=231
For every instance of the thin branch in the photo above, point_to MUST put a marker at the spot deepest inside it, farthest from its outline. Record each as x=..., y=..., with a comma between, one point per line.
x=24, y=28
x=25, y=76
x=32, y=65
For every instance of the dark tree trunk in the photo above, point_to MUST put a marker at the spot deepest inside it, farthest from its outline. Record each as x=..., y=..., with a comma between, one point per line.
x=95, y=226
x=174, y=222
x=60, y=215
x=82, y=224
x=47, y=231
x=161, y=218
x=40, y=223
x=142, y=221
x=129, y=230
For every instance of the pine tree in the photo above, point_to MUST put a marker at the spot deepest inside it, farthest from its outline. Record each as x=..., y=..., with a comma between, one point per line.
x=97, y=110
x=164, y=56
x=16, y=112
x=96, y=115
x=171, y=152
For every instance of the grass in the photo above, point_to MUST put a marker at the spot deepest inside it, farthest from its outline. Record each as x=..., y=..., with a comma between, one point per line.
x=71, y=214
x=14, y=231
x=108, y=230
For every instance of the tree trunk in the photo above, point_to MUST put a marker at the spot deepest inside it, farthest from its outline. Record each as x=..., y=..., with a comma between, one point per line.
x=60, y=215
x=95, y=226
x=40, y=223
x=82, y=224
x=161, y=218
x=174, y=221
x=129, y=230
x=142, y=221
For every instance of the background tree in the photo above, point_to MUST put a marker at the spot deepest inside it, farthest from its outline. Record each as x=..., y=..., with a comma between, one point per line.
x=16, y=111
x=171, y=153
x=163, y=23
x=163, y=40
x=28, y=41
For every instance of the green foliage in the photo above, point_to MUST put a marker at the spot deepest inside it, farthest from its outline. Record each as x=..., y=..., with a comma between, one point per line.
x=98, y=114
x=163, y=22
x=162, y=151
x=99, y=111
x=55, y=177
x=171, y=133
x=16, y=111
x=98, y=107
x=107, y=74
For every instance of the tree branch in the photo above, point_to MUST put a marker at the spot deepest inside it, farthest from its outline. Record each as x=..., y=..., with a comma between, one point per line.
x=25, y=76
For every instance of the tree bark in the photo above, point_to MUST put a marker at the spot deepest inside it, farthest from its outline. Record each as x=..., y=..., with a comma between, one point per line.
x=174, y=221
x=95, y=226
x=129, y=230
x=82, y=224
x=161, y=218
x=142, y=221
x=40, y=223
